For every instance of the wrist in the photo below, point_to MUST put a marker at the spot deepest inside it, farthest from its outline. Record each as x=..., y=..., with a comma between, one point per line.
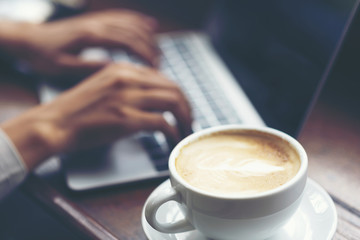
x=14, y=36
x=36, y=135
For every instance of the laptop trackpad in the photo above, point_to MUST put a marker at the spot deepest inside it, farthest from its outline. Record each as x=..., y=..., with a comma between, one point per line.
x=109, y=165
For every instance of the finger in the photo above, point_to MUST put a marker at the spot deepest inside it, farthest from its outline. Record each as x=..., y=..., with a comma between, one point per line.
x=138, y=23
x=167, y=84
x=77, y=65
x=175, y=87
x=133, y=16
x=156, y=77
x=137, y=41
x=160, y=100
x=141, y=44
x=142, y=120
x=132, y=31
x=130, y=75
x=148, y=51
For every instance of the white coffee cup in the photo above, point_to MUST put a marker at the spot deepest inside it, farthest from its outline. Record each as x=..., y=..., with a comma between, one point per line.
x=220, y=216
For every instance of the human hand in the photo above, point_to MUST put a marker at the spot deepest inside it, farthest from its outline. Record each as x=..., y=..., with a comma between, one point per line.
x=115, y=102
x=52, y=48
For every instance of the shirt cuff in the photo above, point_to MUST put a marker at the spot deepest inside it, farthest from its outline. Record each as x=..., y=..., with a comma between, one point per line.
x=12, y=168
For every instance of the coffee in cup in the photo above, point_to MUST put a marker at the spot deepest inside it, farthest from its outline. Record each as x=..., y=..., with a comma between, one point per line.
x=237, y=163
x=233, y=182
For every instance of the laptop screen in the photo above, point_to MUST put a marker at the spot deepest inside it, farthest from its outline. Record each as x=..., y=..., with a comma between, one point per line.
x=279, y=51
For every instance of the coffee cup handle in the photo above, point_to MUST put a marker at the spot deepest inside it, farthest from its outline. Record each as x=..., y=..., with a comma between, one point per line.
x=152, y=206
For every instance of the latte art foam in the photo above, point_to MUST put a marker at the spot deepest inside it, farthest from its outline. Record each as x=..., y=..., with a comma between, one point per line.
x=237, y=163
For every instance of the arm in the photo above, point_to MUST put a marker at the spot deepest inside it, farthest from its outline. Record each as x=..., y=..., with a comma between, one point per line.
x=12, y=168
x=12, y=35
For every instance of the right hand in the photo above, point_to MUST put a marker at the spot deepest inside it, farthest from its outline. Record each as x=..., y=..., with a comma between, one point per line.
x=115, y=102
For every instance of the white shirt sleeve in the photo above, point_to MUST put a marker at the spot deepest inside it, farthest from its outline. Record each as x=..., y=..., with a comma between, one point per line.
x=12, y=168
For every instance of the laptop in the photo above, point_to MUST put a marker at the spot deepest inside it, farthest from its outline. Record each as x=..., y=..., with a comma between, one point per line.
x=266, y=73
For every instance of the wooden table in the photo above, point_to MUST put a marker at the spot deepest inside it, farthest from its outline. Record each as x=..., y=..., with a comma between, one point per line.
x=331, y=137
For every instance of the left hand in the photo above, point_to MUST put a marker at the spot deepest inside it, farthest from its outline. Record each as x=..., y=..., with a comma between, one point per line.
x=52, y=48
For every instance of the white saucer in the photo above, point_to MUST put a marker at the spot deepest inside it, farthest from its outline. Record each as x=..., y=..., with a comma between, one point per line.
x=316, y=218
